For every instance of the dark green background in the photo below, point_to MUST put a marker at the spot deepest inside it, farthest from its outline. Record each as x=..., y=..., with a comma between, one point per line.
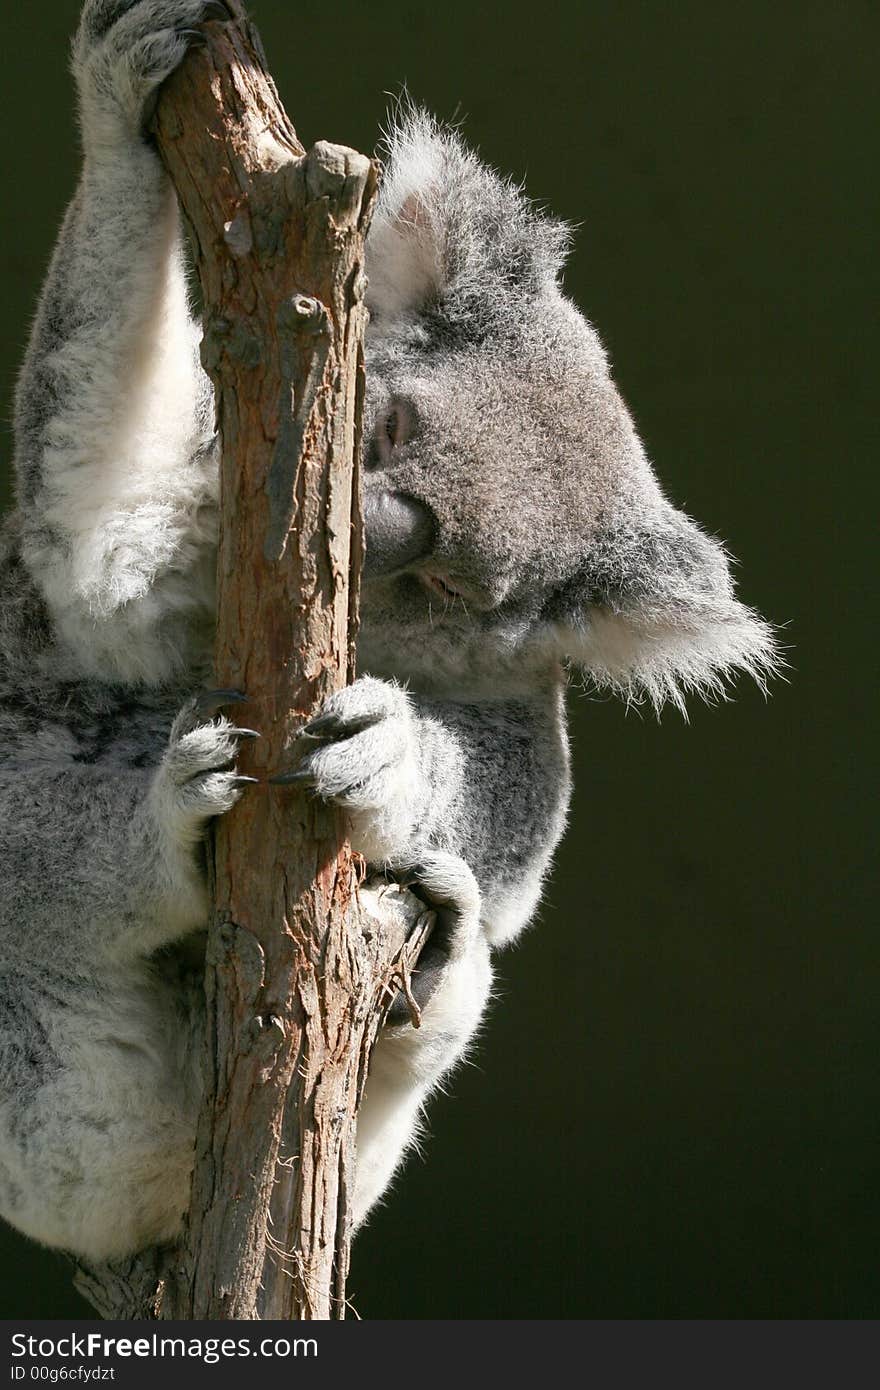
x=674, y=1111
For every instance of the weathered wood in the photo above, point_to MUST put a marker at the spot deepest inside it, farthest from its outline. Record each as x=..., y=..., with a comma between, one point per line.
x=295, y=983
x=126, y=1290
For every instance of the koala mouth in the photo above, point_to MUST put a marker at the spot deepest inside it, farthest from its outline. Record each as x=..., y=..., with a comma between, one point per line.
x=437, y=585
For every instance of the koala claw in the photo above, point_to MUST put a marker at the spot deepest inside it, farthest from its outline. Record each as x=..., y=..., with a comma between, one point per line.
x=300, y=778
x=210, y=701
x=332, y=725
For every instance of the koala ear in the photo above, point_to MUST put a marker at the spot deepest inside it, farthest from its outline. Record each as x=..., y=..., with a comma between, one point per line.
x=653, y=615
x=405, y=250
x=446, y=228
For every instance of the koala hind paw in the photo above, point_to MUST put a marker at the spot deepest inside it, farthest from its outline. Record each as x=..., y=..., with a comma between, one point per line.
x=448, y=888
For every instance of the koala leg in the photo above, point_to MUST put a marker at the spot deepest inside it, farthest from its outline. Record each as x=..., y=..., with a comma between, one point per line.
x=98, y=1038
x=451, y=985
x=98, y=1105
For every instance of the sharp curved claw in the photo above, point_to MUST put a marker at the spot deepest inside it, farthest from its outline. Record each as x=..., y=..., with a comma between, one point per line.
x=300, y=778
x=242, y=781
x=322, y=726
x=211, y=700
x=246, y=733
x=331, y=726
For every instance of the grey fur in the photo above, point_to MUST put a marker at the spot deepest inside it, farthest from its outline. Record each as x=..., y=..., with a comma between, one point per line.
x=517, y=525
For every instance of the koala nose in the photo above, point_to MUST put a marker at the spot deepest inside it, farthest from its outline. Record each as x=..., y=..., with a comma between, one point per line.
x=399, y=530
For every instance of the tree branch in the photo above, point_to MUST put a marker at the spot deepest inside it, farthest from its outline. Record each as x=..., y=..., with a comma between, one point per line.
x=296, y=984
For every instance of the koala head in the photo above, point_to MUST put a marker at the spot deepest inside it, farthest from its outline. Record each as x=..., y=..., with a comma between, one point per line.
x=510, y=507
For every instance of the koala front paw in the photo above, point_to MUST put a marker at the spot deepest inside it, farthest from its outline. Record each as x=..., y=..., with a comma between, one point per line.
x=197, y=778
x=367, y=761
x=125, y=49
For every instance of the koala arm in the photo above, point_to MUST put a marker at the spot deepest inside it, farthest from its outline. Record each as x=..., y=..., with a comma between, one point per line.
x=114, y=417
x=467, y=797
x=496, y=794
x=484, y=779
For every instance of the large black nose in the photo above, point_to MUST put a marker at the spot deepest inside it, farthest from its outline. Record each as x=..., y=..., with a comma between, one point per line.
x=399, y=531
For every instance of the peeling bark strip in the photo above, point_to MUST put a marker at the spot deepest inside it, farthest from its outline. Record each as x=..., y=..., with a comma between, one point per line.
x=296, y=984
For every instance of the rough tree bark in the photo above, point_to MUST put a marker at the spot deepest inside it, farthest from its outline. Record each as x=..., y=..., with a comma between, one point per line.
x=297, y=976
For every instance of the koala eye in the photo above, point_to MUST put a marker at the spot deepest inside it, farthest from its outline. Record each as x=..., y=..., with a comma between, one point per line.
x=394, y=427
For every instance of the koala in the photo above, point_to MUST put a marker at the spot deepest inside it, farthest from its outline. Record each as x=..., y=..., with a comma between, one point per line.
x=515, y=531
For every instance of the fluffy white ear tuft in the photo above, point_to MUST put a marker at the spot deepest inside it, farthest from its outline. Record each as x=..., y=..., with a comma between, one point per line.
x=448, y=231
x=404, y=254
x=654, y=616
x=688, y=654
